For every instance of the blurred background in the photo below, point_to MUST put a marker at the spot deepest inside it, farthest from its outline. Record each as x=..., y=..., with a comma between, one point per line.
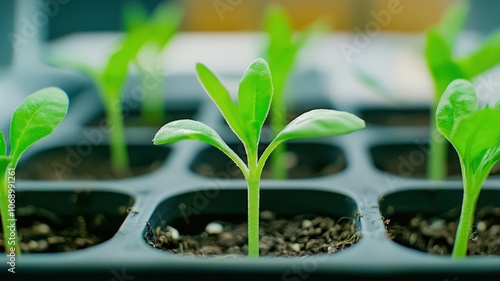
x=69, y=16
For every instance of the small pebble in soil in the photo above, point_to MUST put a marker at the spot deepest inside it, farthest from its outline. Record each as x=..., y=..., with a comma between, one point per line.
x=214, y=228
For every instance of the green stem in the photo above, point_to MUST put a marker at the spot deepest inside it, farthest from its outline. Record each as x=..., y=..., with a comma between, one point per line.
x=253, y=182
x=278, y=121
x=152, y=106
x=438, y=152
x=465, y=224
x=118, y=146
x=8, y=221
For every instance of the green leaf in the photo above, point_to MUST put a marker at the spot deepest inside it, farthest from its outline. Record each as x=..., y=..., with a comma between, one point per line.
x=134, y=15
x=313, y=124
x=497, y=105
x=477, y=140
x=35, y=118
x=458, y=101
x=3, y=145
x=320, y=123
x=440, y=62
x=376, y=85
x=193, y=130
x=486, y=57
x=254, y=96
x=221, y=97
x=452, y=22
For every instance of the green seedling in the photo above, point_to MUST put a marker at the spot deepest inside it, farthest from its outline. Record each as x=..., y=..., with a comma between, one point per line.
x=36, y=117
x=110, y=82
x=161, y=27
x=474, y=134
x=246, y=118
x=445, y=67
x=281, y=53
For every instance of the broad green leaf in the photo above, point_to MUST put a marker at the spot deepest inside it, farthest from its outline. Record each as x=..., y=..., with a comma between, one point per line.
x=134, y=15
x=193, y=130
x=35, y=118
x=254, y=96
x=477, y=140
x=486, y=57
x=440, y=62
x=314, y=124
x=3, y=145
x=221, y=97
x=320, y=123
x=453, y=21
x=458, y=101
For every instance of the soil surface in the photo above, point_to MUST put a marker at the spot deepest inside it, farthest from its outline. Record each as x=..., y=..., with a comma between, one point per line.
x=67, y=164
x=43, y=231
x=436, y=235
x=298, y=236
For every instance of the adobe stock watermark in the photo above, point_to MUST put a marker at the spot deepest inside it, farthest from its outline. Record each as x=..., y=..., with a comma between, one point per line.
x=30, y=26
x=223, y=6
x=11, y=235
x=363, y=38
x=95, y=136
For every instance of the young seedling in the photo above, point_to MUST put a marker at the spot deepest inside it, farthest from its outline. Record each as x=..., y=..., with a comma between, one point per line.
x=445, y=68
x=246, y=118
x=110, y=81
x=34, y=119
x=161, y=27
x=474, y=134
x=281, y=53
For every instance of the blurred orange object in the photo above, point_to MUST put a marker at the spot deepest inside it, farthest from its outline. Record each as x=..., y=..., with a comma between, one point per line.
x=247, y=15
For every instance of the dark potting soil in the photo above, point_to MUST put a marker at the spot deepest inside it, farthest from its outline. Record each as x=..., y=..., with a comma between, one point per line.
x=298, y=236
x=134, y=119
x=397, y=117
x=67, y=164
x=436, y=234
x=297, y=167
x=43, y=231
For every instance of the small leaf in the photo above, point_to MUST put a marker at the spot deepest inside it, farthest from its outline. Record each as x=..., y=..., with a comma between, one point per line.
x=477, y=141
x=35, y=118
x=453, y=21
x=486, y=57
x=278, y=27
x=3, y=145
x=193, y=130
x=440, y=62
x=222, y=99
x=458, y=101
x=320, y=123
x=254, y=96
x=313, y=124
